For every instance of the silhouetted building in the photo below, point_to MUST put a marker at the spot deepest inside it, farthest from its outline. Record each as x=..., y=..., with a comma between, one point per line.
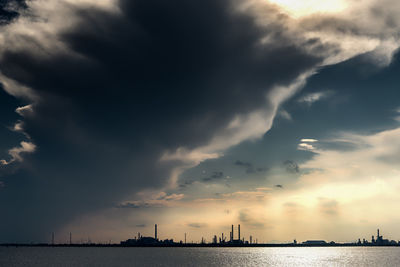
x=380, y=241
x=214, y=239
x=148, y=241
x=233, y=240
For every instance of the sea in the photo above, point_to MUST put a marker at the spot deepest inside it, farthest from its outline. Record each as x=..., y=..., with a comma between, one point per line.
x=134, y=256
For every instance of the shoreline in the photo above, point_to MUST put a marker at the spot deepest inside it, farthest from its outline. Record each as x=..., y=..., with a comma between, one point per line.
x=198, y=245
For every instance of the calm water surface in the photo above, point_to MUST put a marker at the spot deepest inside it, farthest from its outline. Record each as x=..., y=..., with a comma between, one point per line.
x=358, y=256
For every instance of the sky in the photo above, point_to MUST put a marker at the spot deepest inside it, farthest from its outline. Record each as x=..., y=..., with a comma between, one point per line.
x=282, y=116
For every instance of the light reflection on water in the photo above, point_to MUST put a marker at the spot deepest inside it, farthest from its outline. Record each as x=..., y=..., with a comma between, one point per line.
x=323, y=256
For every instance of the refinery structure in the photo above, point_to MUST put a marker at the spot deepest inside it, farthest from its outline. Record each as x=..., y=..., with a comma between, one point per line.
x=239, y=241
x=380, y=241
x=222, y=240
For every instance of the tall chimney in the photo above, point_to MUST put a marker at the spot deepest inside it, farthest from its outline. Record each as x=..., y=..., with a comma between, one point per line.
x=155, y=231
x=238, y=231
x=378, y=234
x=232, y=233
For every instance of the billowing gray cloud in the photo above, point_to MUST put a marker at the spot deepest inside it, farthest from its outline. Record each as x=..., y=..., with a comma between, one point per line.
x=113, y=91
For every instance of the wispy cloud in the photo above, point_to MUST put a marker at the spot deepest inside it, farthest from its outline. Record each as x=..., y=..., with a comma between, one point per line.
x=25, y=110
x=160, y=199
x=305, y=147
x=307, y=144
x=285, y=114
x=308, y=140
x=311, y=98
x=260, y=194
x=16, y=153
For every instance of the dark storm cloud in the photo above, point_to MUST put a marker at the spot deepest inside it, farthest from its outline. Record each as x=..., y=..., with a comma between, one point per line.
x=249, y=167
x=9, y=10
x=161, y=75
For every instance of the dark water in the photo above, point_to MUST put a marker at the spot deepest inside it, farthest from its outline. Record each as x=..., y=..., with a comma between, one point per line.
x=329, y=256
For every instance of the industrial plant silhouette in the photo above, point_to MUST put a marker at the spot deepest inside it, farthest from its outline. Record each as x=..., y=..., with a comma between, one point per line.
x=221, y=241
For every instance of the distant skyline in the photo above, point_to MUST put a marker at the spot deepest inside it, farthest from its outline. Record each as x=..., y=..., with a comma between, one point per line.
x=282, y=116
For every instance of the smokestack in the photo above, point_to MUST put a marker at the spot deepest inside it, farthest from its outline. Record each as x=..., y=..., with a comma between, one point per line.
x=378, y=234
x=232, y=233
x=155, y=231
x=238, y=231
